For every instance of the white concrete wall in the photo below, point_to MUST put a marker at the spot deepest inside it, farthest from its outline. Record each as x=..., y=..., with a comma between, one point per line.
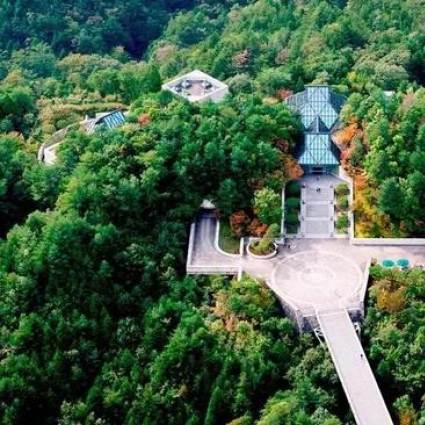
x=227, y=270
x=190, y=246
x=388, y=241
x=218, y=95
x=282, y=220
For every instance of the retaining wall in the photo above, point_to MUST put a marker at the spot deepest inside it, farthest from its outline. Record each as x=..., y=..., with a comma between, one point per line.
x=227, y=270
x=282, y=221
x=365, y=281
x=388, y=241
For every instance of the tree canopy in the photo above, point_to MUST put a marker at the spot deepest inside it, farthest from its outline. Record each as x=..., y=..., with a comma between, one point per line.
x=99, y=323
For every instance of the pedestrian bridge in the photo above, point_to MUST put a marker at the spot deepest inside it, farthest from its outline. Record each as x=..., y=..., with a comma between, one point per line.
x=353, y=368
x=320, y=284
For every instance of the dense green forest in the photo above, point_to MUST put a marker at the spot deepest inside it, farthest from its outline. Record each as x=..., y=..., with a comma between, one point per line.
x=86, y=27
x=99, y=324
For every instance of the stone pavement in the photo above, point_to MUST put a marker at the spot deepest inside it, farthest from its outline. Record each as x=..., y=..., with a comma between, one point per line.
x=317, y=262
x=317, y=212
x=318, y=279
x=323, y=276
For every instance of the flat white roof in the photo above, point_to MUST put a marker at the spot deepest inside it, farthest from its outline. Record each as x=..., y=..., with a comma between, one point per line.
x=195, y=85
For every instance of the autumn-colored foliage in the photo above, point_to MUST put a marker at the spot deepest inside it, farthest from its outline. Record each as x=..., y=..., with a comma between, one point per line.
x=241, y=59
x=292, y=168
x=346, y=134
x=282, y=144
x=256, y=228
x=391, y=301
x=369, y=221
x=239, y=221
x=407, y=417
x=144, y=119
x=283, y=94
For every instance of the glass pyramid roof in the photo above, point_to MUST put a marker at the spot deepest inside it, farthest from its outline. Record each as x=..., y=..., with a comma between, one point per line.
x=319, y=109
x=317, y=151
x=318, y=106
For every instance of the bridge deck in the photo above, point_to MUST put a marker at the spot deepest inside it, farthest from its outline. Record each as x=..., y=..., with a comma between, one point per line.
x=353, y=368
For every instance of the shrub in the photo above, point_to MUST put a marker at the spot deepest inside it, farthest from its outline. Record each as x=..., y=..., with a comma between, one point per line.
x=238, y=221
x=342, y=204
x=265, y=244
x=292, y=203
x=342, y=222
x=256, y=228
x=291, y=228
x=268, y=205
x=292, y=218
x=293, y=189
x=342, y=189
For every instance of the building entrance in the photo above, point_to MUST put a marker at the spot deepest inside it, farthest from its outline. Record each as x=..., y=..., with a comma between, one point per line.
x=317, y=170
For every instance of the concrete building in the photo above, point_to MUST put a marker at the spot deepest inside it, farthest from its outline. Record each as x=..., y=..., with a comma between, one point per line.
x=196, y=86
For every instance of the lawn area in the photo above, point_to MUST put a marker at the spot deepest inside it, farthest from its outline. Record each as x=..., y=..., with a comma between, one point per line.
x=227, y=241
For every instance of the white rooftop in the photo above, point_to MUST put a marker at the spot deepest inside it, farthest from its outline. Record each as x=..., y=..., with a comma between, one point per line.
x=197, y=86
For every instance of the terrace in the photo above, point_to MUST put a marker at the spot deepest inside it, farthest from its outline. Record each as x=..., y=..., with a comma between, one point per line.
x=197, y=86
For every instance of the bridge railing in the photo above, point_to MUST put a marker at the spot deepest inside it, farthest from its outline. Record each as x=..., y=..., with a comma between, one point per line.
x=229, y=270
x=191, y=244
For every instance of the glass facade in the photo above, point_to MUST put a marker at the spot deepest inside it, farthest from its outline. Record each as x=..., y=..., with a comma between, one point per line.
x=319, y=110
x=109, y=121
x=317, y=151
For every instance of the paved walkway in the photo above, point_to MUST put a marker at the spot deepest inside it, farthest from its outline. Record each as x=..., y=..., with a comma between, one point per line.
x=353, y=369
x=204, y=252
x=318, y=280
x=322, y=276
x=323, y=272
x=317, y=215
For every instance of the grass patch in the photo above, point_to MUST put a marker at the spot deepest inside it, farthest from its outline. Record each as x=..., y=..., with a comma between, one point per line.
x=227, y=241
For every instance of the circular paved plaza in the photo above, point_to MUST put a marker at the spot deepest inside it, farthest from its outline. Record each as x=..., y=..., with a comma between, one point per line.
x=317, y=279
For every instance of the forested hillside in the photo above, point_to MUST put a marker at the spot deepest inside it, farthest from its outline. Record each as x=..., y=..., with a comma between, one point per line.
x=85, y=26
x=99, y=324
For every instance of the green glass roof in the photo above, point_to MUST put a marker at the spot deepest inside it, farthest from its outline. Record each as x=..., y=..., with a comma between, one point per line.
x=317, y=151
x=319, y=110
x=318, y=106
